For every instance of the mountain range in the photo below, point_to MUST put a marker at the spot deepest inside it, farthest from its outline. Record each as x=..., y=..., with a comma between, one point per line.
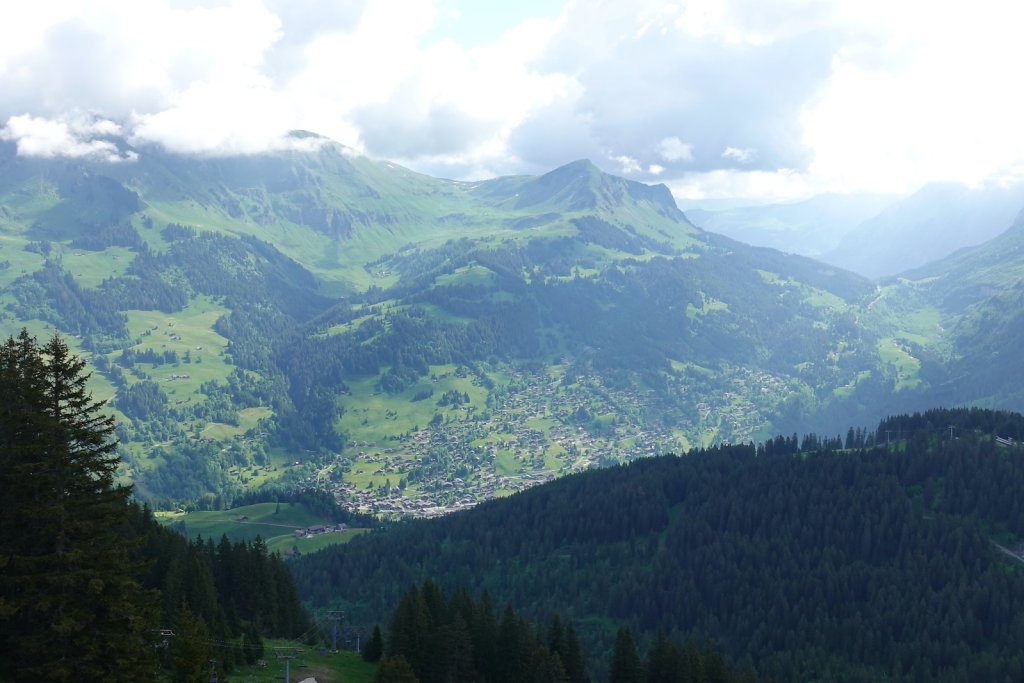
x=422, y=344
x=875, y=235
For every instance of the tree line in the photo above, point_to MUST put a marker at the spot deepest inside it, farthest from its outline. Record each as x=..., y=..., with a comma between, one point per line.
x=834, y=564
x=91, y=587
x=435, y=637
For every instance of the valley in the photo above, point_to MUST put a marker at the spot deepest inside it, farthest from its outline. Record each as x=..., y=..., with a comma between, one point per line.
x=418, y=346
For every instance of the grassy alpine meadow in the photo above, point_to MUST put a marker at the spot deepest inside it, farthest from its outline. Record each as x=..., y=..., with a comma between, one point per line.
x=372, y=415
x=248, y=418
x=189, y=334
x=91, y=268
x=907, y=366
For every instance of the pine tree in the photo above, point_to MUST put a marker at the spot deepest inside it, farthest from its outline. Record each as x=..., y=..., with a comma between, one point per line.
x=556, y=637
x=70, y=607
x=625, y=666
x=190, y=652
x=575, y=665
x=661, y=664
x=374, y=647
x=394, y=669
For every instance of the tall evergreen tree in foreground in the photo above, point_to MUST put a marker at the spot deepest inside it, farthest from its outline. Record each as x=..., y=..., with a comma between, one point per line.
x=70, y=607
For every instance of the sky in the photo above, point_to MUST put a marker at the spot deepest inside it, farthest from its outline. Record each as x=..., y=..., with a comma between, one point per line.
x=756, y=99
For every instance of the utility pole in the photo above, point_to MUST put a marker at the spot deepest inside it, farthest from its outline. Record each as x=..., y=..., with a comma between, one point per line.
x=164, y=636
x=287, y=654
x=888, y=436
x=335, y=616
x=951, y=428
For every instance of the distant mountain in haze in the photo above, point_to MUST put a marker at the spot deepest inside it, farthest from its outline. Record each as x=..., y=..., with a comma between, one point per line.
x=932, y=223
x=980, y=292
x=809, y=228
x=874, y=235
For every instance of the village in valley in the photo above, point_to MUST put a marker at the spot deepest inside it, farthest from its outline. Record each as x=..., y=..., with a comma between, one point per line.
x=537, y=427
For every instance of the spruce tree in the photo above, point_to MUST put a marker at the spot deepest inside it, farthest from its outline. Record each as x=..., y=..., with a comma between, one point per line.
x=394, y=669
x=70, y=607
x=374, y=647
x=625, y=665
x=190, y=651
x=572, y=658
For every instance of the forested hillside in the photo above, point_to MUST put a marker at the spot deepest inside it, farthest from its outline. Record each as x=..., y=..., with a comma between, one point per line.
x=439, y=637
x=418, y=345
x=887, y=554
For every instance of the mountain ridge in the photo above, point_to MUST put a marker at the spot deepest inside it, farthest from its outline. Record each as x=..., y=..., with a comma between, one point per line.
x=246, y=314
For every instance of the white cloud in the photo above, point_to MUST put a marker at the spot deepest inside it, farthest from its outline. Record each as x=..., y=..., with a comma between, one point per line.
x=856, y=95
x=219, y=118
x=40, y=137
x=751, y=185
x=674, y=149
x=626, y=164
x=936, y=99
x=743, y=156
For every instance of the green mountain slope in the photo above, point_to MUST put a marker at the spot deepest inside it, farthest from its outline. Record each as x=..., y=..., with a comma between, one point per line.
x=979, y=292
x=421, y=344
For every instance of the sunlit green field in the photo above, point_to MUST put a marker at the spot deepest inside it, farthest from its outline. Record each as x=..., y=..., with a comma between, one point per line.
x=274, y=523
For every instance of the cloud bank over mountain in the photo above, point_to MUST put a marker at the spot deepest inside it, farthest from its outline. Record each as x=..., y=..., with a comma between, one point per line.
x=714, y=97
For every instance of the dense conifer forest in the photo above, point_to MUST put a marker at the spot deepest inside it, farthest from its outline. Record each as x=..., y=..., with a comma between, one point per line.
x=91, y=587
x=437, y=637
x=892, y=561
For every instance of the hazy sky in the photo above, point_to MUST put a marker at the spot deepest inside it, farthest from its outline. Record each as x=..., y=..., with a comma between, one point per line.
x=716, y=98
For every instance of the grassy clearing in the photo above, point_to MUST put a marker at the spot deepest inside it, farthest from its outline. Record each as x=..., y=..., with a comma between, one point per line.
x=922, y=326
x=707, y=306
x=21, y=262
x=189, y=331
x=347, y=666
x=822, y=299
x=263, y=519
x=442, y=315
x=505, y=463
x=220, y=431
x=374, y=416
x=247, y=419
x=304, y=545
x=275, y=524
x=91, y=268
x=348, y=326
x=907, y=367
x=847, y=390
